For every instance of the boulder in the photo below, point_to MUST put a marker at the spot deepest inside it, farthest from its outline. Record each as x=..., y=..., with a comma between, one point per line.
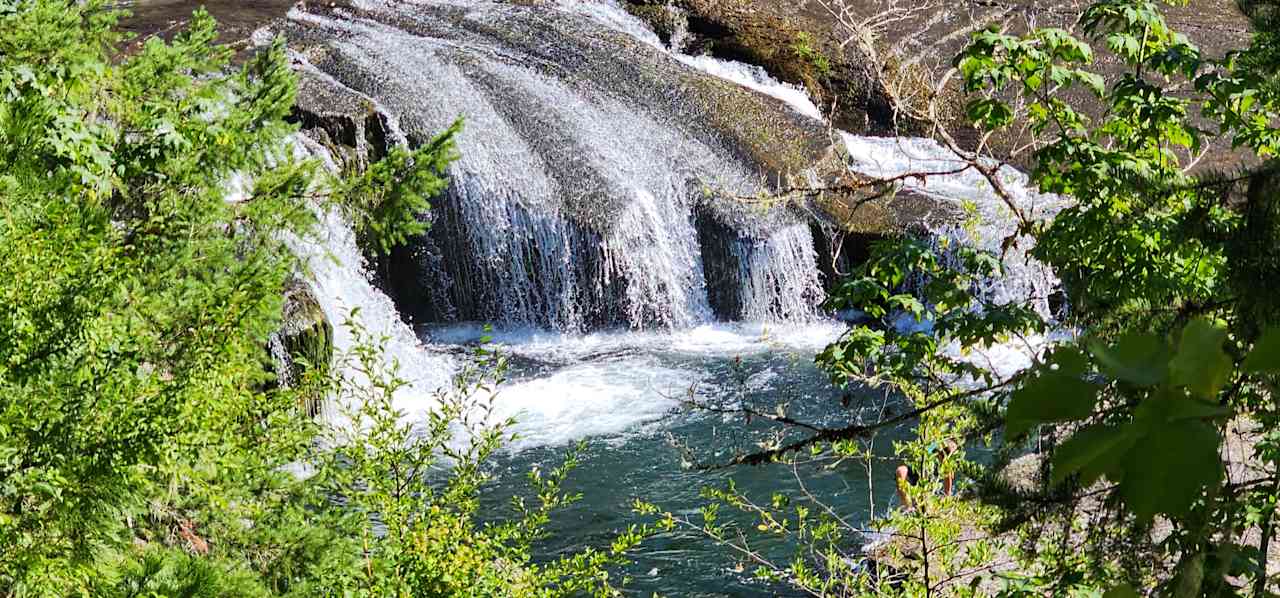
x=346, y=123
x=874, y=64
x=799, y=42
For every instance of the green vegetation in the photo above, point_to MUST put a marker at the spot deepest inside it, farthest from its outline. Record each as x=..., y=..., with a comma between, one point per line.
x=803, y=47
x=1151, y=424
x=145, y=446
x=147, y=449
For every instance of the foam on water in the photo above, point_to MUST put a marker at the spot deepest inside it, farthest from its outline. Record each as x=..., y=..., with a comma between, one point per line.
x=607, y=383
x=596, y=398
x=721, y=339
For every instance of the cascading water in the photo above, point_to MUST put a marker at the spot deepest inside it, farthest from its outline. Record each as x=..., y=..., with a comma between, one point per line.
x=992, y=225
x=943, y=175
x=340, y=283
x=592, y=216
x=573, y=203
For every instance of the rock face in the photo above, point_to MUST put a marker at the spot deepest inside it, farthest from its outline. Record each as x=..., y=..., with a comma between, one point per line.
x=602, y=182
x=237, y=19
x=347, y=124
x=797, y=41
x=873, y=63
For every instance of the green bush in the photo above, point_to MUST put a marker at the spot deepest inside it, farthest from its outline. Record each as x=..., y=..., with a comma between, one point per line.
x=145, y=448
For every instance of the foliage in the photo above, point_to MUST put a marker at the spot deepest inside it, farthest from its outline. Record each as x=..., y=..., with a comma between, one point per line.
x=1134, y=416
x=803, y=48
x=146, y=447
x=411, y=494
x=944, y=307
x=1153, y=250
x=387, y=200
x=139, y=298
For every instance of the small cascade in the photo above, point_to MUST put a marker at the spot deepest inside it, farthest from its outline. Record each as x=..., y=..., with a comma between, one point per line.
x=755, y=78
x=772, y=277
x=778, y=276
x=281, y=362
x=340, y=283
x=944, y=176
x=991, y=225
x=680, y=36
x=613, y=16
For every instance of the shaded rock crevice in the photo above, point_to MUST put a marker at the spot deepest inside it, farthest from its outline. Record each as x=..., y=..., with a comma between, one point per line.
x=304, y=342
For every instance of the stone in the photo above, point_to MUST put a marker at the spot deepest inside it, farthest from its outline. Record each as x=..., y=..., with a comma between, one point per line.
x=304, y=340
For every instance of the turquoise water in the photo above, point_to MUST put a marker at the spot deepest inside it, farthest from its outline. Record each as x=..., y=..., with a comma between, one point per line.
x=619, y=392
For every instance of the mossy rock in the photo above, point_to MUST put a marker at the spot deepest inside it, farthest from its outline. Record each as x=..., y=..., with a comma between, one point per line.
x=797, y=42
x=305, y=338
x=346, y=122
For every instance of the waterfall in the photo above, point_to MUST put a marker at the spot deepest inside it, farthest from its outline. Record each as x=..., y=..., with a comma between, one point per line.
x=991, y=224
x=779, y=276
x=991, y=220
x=585, y=161
x=599, y=187
x=338, y=277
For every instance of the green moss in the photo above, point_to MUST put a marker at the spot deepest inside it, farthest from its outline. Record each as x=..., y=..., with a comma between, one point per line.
x=307, y=337
x=781, y=145
x=662, y=19
x=803, y=48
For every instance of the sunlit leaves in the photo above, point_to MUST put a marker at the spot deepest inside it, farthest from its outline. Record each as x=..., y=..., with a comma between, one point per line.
x=1162, y=465
x=1049, y=397
x=1057, y=393
x=1201, y=365
x=990, y=113
x=1170, y=468
x=390, y=199
x=1091, y=452
x=918, y=297
x=1169, y=436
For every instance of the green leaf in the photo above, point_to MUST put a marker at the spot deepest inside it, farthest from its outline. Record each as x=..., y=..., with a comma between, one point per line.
x=1185, y=408
x=990, y=113
x=1093, y=81
x=1265, y=356
x=1201, y=365
x=1141, y=359
x=1091, y=452
x=1123, y=590
x=1050, y=397
x=1170, y=468
x=1069, y=361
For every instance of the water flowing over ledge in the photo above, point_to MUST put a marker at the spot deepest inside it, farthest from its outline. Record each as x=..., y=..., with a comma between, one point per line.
x=593, y=188
x=596, y=190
